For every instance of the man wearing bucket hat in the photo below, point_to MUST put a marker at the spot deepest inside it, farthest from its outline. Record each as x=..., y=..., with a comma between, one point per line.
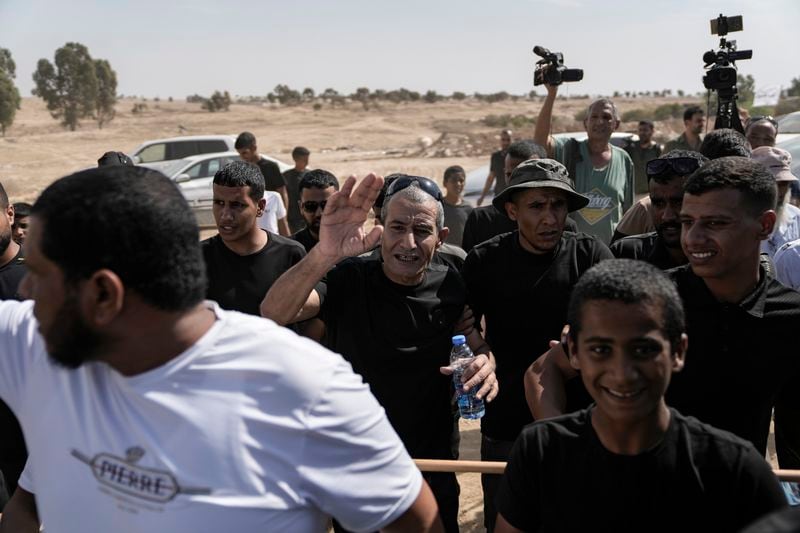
x=778, y=161
x=520, y=283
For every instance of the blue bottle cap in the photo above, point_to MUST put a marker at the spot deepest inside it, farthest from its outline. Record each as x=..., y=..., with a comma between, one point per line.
x=459, y=340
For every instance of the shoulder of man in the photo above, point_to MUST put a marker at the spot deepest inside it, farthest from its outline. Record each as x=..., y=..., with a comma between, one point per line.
x=631, y=246
x=570, y=426
x=288, y=242
x=708, y=437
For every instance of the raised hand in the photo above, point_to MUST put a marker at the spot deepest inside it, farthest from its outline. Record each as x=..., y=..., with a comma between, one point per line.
x=341, y=232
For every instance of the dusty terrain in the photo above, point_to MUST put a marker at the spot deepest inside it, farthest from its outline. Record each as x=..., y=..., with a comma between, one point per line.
x=349, y=140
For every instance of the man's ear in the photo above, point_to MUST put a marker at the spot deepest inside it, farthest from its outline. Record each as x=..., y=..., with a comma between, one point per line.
x=511, y=210
x=572, y=352
x=102, y=297
x=679, y=357
x=10, y=213
x=443, y=233
x=616, y=124
x=767, y=221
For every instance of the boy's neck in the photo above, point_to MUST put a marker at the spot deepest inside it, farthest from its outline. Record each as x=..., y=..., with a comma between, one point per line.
x=627, y=438
x=453, y=199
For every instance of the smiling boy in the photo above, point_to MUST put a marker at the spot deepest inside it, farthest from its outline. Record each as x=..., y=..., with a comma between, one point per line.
x=629, y=462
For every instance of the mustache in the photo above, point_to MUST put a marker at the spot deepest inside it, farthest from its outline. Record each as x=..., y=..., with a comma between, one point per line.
x=669, y=225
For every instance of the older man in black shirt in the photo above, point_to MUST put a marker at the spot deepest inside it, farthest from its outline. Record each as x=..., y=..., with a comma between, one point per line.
x=393, y=317
x=741, y=322
x=521, y=282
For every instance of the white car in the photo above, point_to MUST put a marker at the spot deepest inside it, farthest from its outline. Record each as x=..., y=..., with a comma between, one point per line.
x=476, y=178
x=788, y=127
x=159, y=153
x=194, y=176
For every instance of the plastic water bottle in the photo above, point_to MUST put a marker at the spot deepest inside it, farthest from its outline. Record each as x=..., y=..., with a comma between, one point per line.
x=469, y=406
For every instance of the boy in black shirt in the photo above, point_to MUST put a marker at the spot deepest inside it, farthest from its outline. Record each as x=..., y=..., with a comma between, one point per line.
x=628, y=462
x=273, y=179
x=243, y=260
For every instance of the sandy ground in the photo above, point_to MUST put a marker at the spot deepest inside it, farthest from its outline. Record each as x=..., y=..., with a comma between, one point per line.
x=350, y=140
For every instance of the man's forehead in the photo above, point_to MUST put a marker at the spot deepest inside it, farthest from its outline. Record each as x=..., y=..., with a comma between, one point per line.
x=601, y=107
x=406, y=212
x=721, y=202
x=223, y=191
x=316, y=192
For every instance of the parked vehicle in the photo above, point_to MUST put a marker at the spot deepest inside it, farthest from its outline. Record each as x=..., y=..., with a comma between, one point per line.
x=194, y=176
x=161, y=150
x=788, y=127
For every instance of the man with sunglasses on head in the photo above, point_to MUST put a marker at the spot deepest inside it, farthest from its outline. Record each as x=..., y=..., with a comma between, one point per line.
x=315, y=188
x=520, y=283
x=392, y=318
x=662, y=247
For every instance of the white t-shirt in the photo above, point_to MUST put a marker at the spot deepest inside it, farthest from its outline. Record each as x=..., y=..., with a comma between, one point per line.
x=787, y=264
x=273, y=212
x=251, y=429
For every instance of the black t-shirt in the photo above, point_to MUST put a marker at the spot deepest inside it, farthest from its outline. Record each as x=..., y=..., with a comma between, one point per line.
x=497, y=164
x=486, y=222
x=561, y=478
x=13, y=452
x=273, y=179
x=305, y=238
x=397, y=337
x=11, y=275
x=239, y=282
x=742, y=360
x=524, y=298
x=293, y=215
x=646, y=247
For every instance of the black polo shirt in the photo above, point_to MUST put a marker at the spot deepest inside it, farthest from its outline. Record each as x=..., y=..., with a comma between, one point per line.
x=239, y=282
x=524, y=298
x=305, y=238
x=646, y=247
x=742, y=360
x=11, y=275
x=397, y=337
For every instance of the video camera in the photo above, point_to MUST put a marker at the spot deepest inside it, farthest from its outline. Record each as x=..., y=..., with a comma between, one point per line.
x=551, y=70
x=721, y=64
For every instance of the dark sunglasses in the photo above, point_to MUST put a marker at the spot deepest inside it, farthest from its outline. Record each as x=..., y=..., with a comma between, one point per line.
x=682, y=166
x=311, y=206
x=758, y=118
x=404, y=182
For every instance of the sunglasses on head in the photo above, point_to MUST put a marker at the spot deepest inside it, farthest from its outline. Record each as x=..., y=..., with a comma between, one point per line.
x=312, y=206
x=404, y=182
x=682, y=166
x=758, y=118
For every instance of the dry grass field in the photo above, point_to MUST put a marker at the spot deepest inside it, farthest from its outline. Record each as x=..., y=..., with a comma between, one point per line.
x=349, y=140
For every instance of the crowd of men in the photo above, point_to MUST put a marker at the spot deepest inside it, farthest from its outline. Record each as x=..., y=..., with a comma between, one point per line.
x=152, y=391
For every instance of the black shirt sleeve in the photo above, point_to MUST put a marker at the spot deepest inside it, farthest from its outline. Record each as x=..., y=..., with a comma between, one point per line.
x=757, y=489
x=518, y=494
x=273, y=179
x=468, y=239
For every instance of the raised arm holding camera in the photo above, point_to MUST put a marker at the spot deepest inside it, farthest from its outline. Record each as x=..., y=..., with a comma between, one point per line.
x=600, y=170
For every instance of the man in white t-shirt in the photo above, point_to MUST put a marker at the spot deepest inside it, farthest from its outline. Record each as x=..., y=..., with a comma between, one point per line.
x=273, y=217
x=147, y=409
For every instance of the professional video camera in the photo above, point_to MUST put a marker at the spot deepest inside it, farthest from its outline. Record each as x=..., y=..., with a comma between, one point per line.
x=551, y=69
x=721, y=71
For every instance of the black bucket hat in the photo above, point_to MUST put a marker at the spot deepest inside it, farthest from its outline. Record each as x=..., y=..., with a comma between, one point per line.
x=541, y=173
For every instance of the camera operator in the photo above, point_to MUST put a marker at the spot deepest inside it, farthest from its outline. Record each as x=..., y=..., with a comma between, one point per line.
x=600, y=170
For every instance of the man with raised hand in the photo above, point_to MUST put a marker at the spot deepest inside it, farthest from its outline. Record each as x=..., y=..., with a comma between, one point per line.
x=392, y=318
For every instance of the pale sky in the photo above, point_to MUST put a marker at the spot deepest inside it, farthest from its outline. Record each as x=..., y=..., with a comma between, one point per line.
x=181, y=47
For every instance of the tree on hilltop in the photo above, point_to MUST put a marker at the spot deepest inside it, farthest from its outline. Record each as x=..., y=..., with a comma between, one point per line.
x=9, y=95
x=70, y=86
